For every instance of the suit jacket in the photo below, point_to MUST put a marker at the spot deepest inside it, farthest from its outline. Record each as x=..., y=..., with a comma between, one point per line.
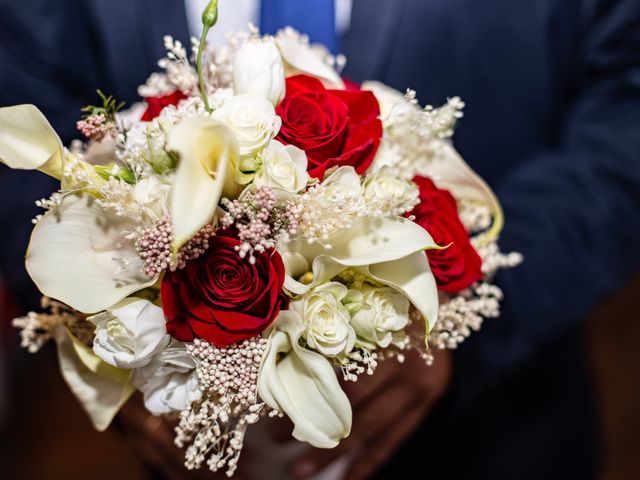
x=552, y=122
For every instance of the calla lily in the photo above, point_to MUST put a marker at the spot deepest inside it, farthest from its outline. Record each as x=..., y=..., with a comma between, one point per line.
x=208, y=159
x=79, y=255
x=29, y=142
x=300, y=58
x=448, y=170
x=389, y=250
x=302, y=384
x=101, y=388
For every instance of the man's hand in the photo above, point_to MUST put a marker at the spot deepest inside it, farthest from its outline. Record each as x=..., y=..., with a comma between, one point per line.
x=152, y=437
x=387, y=407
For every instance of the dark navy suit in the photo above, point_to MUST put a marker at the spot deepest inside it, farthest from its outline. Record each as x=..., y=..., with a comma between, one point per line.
x=552, y=122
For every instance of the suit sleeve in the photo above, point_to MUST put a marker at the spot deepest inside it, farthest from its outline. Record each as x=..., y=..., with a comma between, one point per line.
x=573, y=211
x=41, y=62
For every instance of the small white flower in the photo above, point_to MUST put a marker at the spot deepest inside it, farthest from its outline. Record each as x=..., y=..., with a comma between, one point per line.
x=252, y=119
x=169, y=382
x=389, y=155
x=152, y=194
x=283, y=168
x=392, y=103
x=258, y=70
x=378, y=313
x=386, y=193
x=326, y=319
x=130, y=333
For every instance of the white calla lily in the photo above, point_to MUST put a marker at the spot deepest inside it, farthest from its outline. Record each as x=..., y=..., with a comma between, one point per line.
x=208, y=158
x=29, y=142
x=449, y=171
x=302, y=384
x=301, y=58
x=389, y=250
x=101, y=388
x=78, y=254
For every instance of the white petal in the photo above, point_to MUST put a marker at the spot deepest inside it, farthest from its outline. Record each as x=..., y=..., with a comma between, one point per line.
x=100, y=388
x=208, y=155
x=76, y=253
x=302, y=59
x=371, y=240
x=302, y=384
x=448, y=170
x=28, y=141
x=412, y=276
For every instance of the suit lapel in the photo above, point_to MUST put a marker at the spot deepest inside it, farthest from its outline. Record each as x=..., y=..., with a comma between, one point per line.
x=371, y=36
x=158, y=18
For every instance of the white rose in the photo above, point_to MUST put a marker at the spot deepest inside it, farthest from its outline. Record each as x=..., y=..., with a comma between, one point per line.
x=252, y=119
x=130, y=333
x=169, y=382
x=389, y=194
x=258, y=70
x=326, y=319
x=344, y=184
x=378, y=313
x=152, y=194
x=283, y=167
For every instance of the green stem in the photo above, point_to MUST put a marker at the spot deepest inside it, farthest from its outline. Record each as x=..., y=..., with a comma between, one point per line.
x=209, y=19
x=203, y=90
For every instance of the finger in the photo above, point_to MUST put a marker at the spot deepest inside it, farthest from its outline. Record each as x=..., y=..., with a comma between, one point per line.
x=366, y=386
x=382, y=448
x=433, y=384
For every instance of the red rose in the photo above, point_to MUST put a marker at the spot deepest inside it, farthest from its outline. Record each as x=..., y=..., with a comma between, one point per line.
x=221, y=297
x=156, y=104
x=333, y=127
x=457, y=266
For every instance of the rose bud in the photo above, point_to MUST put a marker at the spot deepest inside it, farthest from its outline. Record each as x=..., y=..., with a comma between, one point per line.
x=258, y=70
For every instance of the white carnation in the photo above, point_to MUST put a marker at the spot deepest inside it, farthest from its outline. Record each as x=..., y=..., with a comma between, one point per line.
x=252, y=119
x=326, y=319
x=283, y=168
x=169, y=382
x=130, y=334
x=378, y=314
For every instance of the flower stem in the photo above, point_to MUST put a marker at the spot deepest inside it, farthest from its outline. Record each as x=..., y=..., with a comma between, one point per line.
x=209, y=19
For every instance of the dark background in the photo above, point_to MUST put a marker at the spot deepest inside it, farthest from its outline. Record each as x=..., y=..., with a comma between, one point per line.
x=45, y=435
x=520, y=67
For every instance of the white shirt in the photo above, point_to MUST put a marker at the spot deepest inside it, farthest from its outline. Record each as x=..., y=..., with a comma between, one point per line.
x=235, y=16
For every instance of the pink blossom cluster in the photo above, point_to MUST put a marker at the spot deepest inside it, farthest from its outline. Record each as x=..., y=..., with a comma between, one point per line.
x=97, y=127
x=231, y=370
x=260, y=221
x=154, y=247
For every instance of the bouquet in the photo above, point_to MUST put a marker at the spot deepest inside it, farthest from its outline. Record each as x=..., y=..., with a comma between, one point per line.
x=256, y=230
